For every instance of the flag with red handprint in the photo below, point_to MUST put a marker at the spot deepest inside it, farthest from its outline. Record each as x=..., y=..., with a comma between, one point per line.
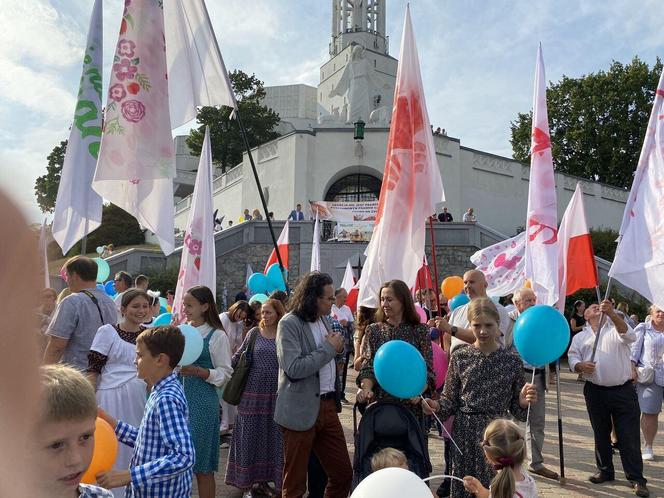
x=411, y=187
x=541, y=254
x=639, y=260
x=503, y=265
x=198, y=264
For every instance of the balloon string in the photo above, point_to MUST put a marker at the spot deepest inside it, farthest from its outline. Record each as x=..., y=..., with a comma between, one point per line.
x=528, y=414
x=449, y=436
x=444, y=476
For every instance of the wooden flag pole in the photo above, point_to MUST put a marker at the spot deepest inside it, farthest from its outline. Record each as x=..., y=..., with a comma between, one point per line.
x=435, y=265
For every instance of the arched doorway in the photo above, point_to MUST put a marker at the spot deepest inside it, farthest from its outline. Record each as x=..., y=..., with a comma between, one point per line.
x=357, y=187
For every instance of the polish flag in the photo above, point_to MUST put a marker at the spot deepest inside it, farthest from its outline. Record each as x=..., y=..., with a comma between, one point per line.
x=639, y=260
x=350, y=284
x=424, y=280
x=541, y=258
x=575, y=255
x=282, y=244
x=411, y=187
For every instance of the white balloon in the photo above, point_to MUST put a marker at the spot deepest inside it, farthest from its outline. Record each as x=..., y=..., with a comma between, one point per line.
x=392, y=482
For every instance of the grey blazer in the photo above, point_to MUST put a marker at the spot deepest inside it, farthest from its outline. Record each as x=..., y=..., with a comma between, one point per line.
x=299, y=383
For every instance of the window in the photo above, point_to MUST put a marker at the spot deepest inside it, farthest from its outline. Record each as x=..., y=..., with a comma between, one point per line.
x=354, y=188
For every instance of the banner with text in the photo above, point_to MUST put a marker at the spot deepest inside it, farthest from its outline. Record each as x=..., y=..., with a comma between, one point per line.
x=345, y=211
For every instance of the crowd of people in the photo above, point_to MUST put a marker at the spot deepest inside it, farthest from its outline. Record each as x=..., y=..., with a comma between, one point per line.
x=292, y=355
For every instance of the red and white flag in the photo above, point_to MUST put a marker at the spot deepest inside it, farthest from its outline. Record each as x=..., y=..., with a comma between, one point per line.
x=411, y=187
x=576, y=256
x=503, y=265
x=542, y=216
x=198, y=262
x=349, y=278
x=282, y=244
x=639, y=259
x=423, y=279
x=136, y=163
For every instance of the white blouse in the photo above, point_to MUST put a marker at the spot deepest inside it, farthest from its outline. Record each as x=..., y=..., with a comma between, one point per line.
x=220, y=353
x=119, y=368
x=233, y=329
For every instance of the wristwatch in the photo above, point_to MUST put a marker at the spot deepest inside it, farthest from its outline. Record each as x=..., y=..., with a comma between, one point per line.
x=454, y=330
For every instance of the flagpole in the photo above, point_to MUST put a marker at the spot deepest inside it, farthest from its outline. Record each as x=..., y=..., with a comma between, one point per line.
x=243, y=132
x=435, y=265
x=560, y=426
x=602, y=316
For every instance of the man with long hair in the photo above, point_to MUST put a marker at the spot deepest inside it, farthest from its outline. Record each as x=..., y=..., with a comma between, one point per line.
x=308, y=397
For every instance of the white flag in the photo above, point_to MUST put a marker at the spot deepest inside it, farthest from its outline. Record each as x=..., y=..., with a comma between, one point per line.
x=411, y=183
x=43, y=245
x=136, y=163
x=198, y=264
x=77, y=206
x=542, y=214
x=315, y=247
x=349, y=278
x=503, y=265
x=639, y=259
x=197, y=75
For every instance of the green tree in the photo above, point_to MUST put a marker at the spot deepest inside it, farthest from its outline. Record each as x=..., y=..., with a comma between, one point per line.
x=597, y=122
x=227, y=141
x=46, y=186
x=604, y=242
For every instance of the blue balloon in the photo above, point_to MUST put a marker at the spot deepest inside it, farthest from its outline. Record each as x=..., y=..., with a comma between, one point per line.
x=258, y=283
x=261, y=298
x=163, y=302
x=163, y=319
x=103, y=270
x=109, y=287
x=275, y=277
x=400, y=369
x=193, y=344
x=101, y=287
x=162, y=310
x=458, y=300
x=541, y=335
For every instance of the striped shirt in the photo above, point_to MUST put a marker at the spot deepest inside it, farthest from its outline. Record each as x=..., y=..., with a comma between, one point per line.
x=161, y=465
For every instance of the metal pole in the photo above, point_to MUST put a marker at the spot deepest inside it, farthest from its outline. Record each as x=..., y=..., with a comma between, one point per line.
x=560, y=426
x=243, y=132
x=435, y=265
x=602, y=317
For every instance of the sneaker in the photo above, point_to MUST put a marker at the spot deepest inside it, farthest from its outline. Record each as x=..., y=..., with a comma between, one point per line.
x=647, y=453
x=641, y=490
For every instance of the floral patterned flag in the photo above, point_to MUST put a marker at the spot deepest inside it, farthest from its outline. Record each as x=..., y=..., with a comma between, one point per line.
x=136, y=163
x=197, y=264
x=77, y=206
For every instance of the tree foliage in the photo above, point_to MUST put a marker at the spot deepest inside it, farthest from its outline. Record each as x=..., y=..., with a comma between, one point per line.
x=597, y=122
x=46, y=186
x=604, y=242
x=225, y=136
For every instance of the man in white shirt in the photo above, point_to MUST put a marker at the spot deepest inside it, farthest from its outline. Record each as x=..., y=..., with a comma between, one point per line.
x=469, y=216
x=524, y=299
x=609, y=392
x=458, y=327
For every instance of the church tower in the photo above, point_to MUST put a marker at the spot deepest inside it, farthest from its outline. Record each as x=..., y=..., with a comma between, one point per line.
x=358, y=80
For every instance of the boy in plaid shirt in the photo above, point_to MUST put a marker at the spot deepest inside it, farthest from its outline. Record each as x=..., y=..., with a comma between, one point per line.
x=163, y=452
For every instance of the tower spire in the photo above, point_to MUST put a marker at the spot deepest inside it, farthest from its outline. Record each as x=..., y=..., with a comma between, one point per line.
x=358, y=21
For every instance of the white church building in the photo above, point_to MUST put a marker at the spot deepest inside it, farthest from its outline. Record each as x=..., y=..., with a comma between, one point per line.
x=318, y=158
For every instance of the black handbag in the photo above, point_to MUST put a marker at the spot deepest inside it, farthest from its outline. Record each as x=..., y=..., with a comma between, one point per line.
x=235, y=386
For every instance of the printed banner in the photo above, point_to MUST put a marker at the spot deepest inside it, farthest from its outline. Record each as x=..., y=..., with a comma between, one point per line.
x=345, y=211
x=353, y=231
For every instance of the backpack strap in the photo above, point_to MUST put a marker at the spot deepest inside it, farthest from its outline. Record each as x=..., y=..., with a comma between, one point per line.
x=95, y=302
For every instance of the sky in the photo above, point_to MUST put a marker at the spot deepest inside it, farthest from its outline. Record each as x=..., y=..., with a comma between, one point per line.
x=477, y=60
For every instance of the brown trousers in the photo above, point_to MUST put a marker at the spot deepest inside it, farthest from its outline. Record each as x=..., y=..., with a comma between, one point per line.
x=326, y=439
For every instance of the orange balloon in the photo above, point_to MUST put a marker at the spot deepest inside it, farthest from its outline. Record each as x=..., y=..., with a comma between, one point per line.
x=451, y=286
x=528, y=284
x=106, y=449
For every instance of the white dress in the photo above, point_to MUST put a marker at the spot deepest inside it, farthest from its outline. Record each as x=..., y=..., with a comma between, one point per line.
x=234, y=332
x=119, y=391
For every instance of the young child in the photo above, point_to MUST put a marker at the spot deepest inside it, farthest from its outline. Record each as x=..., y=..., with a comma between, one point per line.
x=212, y=369
x=389, y=457
x=484, y=382
x=64, y=434
x=163, y=453
x=505, y=449
x=112, y=369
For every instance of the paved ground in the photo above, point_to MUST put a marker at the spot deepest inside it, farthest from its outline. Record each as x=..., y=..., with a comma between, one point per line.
x=579, y=455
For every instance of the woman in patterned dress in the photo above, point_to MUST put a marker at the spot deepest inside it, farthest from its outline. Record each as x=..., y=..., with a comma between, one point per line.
x=256, y=454
x=395, y=319
x=212, y=369
x=112, y=371
x=483, y=383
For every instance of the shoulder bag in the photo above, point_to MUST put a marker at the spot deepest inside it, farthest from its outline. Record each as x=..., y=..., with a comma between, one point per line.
x=644, y=374
x=235, y=386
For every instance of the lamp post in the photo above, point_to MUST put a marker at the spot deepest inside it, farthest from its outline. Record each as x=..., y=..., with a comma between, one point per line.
x=359, y=130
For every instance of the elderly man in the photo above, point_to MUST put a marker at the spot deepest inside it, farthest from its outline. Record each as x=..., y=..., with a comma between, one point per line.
x=308, y=395
x=524, y=299
x=609, y=392
x=458, y=328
